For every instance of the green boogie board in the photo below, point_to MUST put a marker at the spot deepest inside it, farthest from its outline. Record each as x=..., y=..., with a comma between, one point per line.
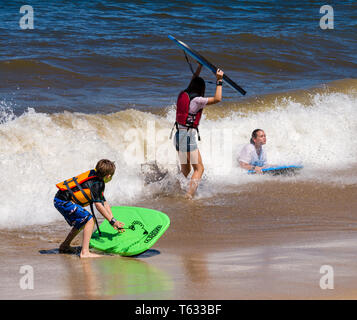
x=143, y=227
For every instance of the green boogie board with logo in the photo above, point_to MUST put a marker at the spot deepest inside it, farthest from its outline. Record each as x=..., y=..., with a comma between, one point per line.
x=143, y=227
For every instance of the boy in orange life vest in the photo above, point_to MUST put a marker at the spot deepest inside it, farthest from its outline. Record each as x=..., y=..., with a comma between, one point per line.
x=78, y=192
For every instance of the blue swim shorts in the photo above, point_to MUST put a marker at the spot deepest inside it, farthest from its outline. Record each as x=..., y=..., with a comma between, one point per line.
x=75, y=215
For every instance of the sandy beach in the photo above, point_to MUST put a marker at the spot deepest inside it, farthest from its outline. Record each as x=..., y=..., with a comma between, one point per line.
x=262, y=271
x=251, y=258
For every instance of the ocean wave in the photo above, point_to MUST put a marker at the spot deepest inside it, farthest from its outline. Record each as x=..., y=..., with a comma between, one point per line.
x=40, y=149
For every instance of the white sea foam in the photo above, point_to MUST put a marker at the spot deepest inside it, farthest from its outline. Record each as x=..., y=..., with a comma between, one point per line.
x=38, y=150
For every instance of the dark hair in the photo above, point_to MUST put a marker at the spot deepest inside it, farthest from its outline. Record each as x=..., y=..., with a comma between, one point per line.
x=105, y=167
x=254, y=135
x=198, y=86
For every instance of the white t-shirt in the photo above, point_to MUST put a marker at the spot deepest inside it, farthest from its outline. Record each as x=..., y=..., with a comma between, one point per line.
x=249, y=155
x=196, y=105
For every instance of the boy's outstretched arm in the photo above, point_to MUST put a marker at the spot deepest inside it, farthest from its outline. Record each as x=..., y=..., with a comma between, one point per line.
x=106, y=212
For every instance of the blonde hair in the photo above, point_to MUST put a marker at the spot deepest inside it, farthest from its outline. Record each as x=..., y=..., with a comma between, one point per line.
x=105, y=167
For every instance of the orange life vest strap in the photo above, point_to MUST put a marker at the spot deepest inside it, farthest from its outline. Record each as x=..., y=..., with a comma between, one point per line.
x=90, y=201
x=75, y=180
x=67, y=185
x=80, y=197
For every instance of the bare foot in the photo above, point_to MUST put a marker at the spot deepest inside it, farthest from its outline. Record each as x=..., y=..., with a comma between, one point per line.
x=188, y=196
x=89, y=255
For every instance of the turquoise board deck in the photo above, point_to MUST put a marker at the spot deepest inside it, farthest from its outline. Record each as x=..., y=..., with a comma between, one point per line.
x=199, y=58
x=280, y=170
x=143, y=227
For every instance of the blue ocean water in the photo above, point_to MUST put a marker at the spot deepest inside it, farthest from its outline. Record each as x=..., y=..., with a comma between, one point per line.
x=105, y=56
x=85, y=82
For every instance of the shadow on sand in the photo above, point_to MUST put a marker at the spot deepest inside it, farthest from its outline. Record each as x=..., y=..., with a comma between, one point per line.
x=147, y=254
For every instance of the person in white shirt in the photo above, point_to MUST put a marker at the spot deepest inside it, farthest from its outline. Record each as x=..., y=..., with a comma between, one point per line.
x=253, y=156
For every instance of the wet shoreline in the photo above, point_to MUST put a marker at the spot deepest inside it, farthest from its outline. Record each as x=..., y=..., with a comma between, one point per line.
x=203, y=255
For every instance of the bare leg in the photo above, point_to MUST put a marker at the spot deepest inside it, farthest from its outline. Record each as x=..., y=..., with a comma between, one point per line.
x=184, y=158
x=185, y=169
x=87, y=234
x=65, y=245
x=197, y=173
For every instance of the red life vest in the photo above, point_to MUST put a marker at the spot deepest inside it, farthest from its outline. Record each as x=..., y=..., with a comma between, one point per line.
x=183, y=116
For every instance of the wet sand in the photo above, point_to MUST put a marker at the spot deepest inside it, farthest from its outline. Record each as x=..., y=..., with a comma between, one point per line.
x=265, y=269
x=235, y=249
